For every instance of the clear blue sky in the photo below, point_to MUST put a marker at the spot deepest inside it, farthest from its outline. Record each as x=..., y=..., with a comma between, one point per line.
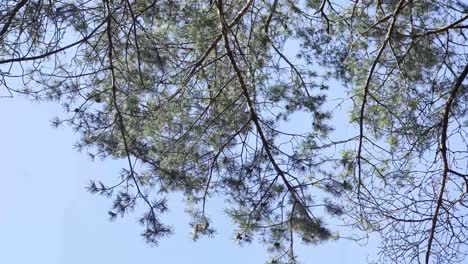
x=47, y=216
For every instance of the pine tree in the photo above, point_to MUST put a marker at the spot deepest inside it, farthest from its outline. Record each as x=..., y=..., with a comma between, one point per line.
x=198, y=98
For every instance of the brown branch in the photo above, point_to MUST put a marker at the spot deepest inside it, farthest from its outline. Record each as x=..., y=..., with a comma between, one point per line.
x=122, y=129
x=11, y=16
x=443, y=154
x=52, y=52
x=213, y=45
x=445, y=28
x=253, y=114
x=324, y=15
x=218, y=37
x=366, y=89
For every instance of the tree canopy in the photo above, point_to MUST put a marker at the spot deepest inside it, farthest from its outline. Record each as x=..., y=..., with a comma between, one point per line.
x=203, y=98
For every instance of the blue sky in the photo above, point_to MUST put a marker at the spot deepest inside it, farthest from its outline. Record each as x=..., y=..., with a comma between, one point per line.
x=47, y=216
